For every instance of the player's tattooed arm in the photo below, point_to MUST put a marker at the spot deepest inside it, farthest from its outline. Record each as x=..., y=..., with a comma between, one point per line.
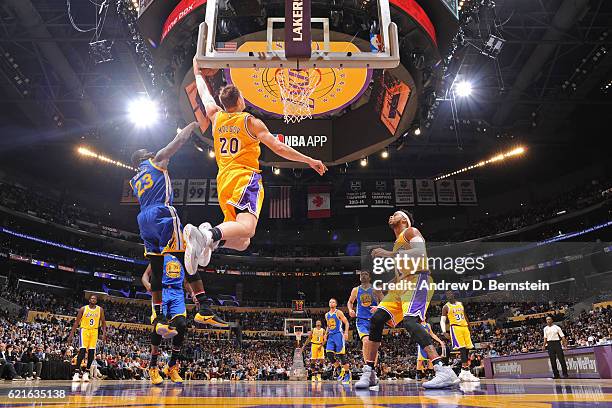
x=259, y=129
x=77, y=321
x=162, y=156
x=351, y=301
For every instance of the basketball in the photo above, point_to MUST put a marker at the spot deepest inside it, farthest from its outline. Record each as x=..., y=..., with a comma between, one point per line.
x=209, y=71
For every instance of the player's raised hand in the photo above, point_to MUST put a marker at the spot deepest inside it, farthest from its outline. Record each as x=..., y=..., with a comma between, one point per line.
x=318, y=166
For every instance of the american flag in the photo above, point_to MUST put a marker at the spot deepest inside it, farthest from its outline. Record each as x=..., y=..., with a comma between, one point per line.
x=280, y=202
x=227, y=46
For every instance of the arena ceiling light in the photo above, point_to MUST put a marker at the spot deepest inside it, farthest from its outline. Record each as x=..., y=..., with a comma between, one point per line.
x=463, y=89
x=84, y=151
x=143, y=112
x=518, y=151
x=364, y=162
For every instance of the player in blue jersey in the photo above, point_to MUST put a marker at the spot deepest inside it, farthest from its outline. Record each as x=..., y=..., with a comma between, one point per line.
x=161, y=229
x=173, y=306
x=336, y=335
x=367, y=301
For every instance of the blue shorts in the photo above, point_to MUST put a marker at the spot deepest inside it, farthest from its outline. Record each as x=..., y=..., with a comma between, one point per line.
x=363, y=327
x=335, y=343
x=173, y=302
x=160, y=230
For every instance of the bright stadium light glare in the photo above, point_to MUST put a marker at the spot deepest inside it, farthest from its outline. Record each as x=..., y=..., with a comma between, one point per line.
x=463, y=89
x=211, y=153
x=143, y=112
x=417, y=131
x=364, y=162
x=518, y=151
x=385, y=154
x=276, y=170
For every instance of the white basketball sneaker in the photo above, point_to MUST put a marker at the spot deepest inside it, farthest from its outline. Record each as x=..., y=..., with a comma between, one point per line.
x=195, y=243
x=204, y=258
x=467, y=376
x=368, y=378
x=445, y=377
x=76, y=377
x=86, y=377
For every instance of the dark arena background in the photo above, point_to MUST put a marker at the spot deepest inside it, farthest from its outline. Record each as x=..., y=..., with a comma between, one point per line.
x=470, y=136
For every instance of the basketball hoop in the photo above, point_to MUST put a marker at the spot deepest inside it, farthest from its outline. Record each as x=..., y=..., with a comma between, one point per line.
x=296, y=88
x=298, y=337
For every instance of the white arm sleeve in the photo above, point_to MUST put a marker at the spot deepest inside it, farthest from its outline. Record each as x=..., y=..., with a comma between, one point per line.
x=443, y=324
x=203, y=91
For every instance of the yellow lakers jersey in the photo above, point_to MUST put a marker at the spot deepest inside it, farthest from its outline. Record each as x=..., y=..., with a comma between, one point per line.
x=91, y=318
x=456, y=314
x=235, y=147
x=406, y=267
x=317, y=335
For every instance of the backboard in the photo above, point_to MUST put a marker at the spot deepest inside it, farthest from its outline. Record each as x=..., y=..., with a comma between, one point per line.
x=300, y=35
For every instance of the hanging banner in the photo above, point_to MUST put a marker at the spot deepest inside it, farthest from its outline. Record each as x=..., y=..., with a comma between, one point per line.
x=355, y=194
x=178, y=189
x=196, y=191
x=127, y=194
x=404, y=192
x=466, y=190
x=426, y=193
x=213, y=198
x=381, y=195
x=319, y=202
x=446, y=192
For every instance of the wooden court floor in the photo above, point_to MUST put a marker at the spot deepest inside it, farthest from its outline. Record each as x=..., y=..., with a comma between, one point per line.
x=490, y=393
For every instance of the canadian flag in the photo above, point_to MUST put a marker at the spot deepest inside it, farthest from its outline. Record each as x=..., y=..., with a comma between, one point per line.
x=319, y=202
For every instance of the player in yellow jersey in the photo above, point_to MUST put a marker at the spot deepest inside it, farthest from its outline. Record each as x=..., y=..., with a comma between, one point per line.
x=407, y=305
x=316, y=338
x=88, y=320
x=236, y=137
x=453, y=313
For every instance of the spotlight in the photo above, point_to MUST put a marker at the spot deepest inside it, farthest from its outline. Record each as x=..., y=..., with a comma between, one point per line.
x=364, y=162
x=385, y=153
x=143, y=112
x=211, y=153
x=463, y=89
x=276, y=170
x=417, y=131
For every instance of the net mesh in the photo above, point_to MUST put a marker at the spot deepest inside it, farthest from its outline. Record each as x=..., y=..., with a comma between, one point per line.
x=296, y=88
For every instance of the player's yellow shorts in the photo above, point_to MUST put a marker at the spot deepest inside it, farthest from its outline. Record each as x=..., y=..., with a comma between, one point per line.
x=460, y=337
x=88, y=338
x=400, y=304
x=240, y=189
x=317, y=352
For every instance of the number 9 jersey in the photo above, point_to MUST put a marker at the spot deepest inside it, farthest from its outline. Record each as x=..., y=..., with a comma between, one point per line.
x=237, y=153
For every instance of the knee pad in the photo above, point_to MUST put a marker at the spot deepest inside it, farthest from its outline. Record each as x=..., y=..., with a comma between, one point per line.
x=418, y=332
x=157, y=270
x=464, y=355
x=156, y=339
x=193, y=278
x=377, y=324
x=331, y=356
x=181, y=327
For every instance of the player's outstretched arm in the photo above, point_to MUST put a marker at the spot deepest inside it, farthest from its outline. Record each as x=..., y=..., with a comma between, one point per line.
x=162, y=156
x=207, y=99
x=259, y=129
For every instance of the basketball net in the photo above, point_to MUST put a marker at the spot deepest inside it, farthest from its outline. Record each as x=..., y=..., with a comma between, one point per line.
x=296, y=87
x=298, y=337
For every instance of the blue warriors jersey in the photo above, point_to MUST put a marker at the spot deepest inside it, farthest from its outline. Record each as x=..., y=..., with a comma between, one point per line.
x=334, y=324
x=365, y=300
x=152, y=185
x=173, y=272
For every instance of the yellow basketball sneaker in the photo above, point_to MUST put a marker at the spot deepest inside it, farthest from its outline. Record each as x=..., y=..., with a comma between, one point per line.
x=173, y=373
x=319, y=377
x=155, y=377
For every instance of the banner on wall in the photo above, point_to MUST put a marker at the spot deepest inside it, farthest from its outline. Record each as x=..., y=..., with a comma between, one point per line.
x=213, y=198
x=426, y=193
x=355, y=194
x=178, y=188
x=319, y=202
x=446, y=192
x=466, y=190
x=404, y=192
x=381, y=195
x=196, y=192
x=127, y=194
